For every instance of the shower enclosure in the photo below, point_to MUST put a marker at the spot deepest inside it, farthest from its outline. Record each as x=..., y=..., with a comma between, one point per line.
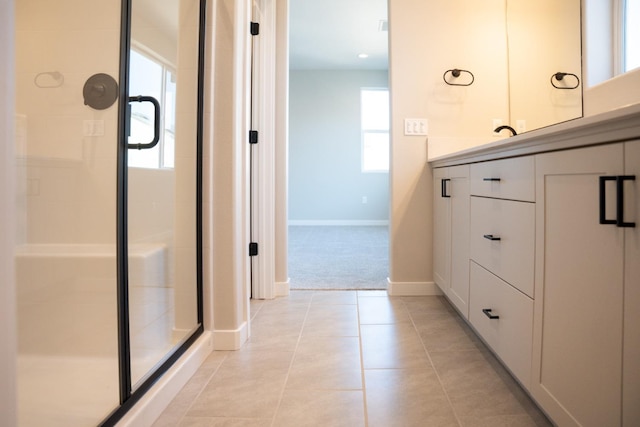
x=108, y=143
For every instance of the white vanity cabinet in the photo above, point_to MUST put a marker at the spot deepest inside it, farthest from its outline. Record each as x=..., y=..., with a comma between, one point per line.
x=586, y=346
x=553, y=251
x=451, y=234
x=501, y=256
x=631, y=334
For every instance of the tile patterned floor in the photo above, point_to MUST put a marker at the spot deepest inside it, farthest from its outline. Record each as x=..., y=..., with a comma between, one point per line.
x=353, y=358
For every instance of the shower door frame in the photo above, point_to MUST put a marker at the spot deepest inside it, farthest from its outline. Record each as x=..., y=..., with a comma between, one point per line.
x=128, y=396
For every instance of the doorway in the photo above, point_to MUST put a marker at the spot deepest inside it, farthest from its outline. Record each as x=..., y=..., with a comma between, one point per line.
x=338, y=197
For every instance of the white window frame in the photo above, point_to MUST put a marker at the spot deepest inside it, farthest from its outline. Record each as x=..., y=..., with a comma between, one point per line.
x=166, y=67
x=364, y=131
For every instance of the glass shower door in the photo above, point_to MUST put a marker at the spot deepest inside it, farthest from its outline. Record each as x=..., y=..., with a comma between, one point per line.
x=162, y=164
x=66, y=256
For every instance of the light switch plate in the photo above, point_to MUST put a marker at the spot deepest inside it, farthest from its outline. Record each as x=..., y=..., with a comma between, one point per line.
x=416, y=127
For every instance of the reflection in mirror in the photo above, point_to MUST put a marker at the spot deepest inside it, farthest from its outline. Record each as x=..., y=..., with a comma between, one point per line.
x=162, y=181
x=511, y=49
x=544, y=39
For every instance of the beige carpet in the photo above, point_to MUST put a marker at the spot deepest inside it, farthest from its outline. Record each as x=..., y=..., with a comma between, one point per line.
x=338, y=257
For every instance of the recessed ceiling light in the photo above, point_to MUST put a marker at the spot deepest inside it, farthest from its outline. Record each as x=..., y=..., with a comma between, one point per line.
x=363, y=55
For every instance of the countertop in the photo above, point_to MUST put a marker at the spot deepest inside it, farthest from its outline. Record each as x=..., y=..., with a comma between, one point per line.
x=617, y=125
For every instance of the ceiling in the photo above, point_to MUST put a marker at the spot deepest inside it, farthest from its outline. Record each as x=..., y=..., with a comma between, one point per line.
x=329, y=34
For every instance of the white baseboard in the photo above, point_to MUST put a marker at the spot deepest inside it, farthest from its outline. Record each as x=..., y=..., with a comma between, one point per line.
x=398, y=289
x=349, y=222
x=147, y=410
x=282, y=288
x=230, y=339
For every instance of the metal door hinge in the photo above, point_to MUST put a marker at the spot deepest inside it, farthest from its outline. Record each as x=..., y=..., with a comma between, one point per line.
x=255, y=28
x=253, y=137
x=253, y=249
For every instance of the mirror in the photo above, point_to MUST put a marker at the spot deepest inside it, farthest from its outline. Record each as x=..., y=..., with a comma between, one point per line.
x=545, y=62
x=513, y=50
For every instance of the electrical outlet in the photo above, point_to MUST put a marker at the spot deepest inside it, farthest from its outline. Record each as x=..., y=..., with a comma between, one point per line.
x=496, y=124
x=521, y=126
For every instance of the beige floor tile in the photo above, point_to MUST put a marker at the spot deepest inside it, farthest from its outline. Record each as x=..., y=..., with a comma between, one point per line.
x=332, y=320
x=303, y=366
x=334, y=297
x=447, y=334
x=313, y=408
x=377, y=311
x=366, y=293
x=182, y=402
x=392, y=346
x=272, y=342
x=224, y=422
x=326, y=363
x=427, y=304
x=479, y=387
x=238, y=398
x=503, y=421
x=247, y=385
x=406, y=398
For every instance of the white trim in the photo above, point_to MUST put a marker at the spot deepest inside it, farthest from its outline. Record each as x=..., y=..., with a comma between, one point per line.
x=263, y=167
x=350, y=222
x=397, y=289
x=158, y=398
x=230, y=339
x=283, y=288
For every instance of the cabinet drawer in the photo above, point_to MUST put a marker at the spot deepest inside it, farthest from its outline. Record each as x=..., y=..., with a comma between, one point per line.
x=509, y=335
x=504, y=179
x=512, y=256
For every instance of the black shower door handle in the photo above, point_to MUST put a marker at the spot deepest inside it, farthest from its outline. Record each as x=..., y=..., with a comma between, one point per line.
x=156, y=122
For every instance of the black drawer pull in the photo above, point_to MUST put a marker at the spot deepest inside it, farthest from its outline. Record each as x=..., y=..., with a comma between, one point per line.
x=491, y=237
x=620, y=222
x=487, y=312
x=491, y=179
x=603, y=199
x=443, y=187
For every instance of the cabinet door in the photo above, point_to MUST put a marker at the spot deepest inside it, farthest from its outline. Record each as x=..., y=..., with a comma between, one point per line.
x=441, y=228
x=451, y=234
x=458, y=291
x=576, y=372
x=631, y=361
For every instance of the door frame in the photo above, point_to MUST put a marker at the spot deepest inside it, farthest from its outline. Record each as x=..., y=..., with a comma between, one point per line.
x=263, y=154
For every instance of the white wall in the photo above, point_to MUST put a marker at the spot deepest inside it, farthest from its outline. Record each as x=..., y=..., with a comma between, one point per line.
x=7, y=220
x=325, y=178
x=228, y=206
x=410, y=260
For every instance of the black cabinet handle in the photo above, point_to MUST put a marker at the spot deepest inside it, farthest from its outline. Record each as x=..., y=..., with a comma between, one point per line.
x=487, y=312
x=603, y=200
x=620, y=200
x=491, y=179
x=443, y=188
x=491, y=237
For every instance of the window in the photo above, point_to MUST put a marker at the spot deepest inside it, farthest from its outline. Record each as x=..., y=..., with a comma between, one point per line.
x=152, y=78
x=631, y=35
x=374, y=105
